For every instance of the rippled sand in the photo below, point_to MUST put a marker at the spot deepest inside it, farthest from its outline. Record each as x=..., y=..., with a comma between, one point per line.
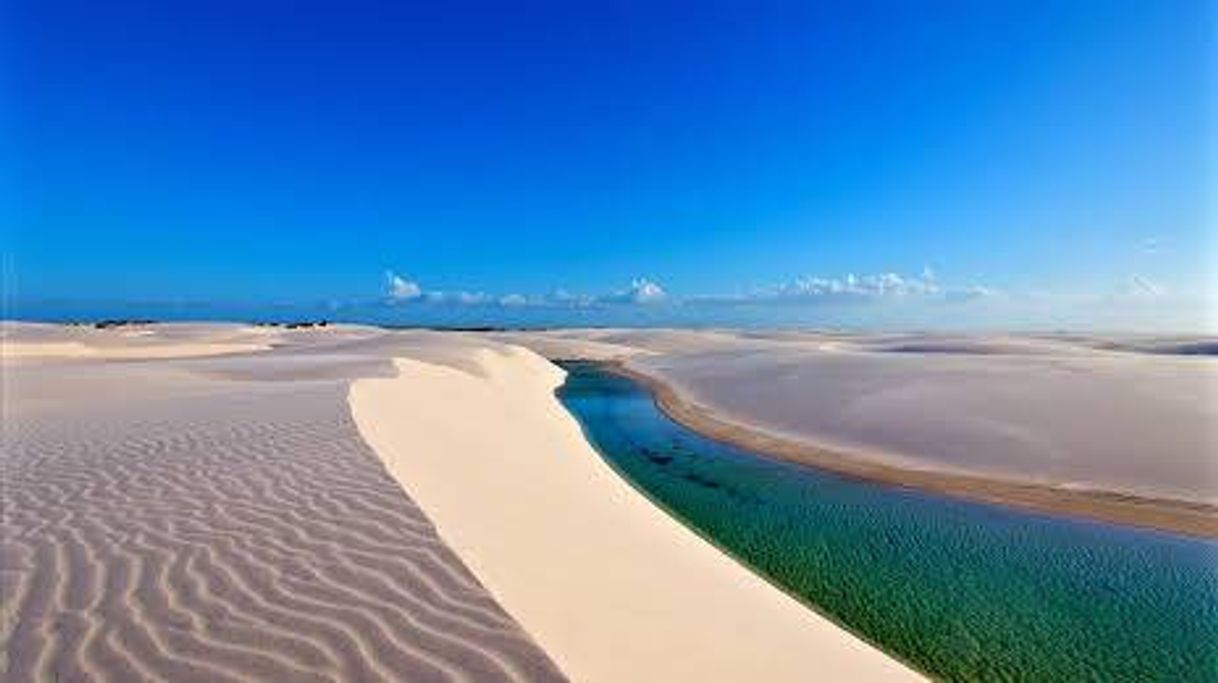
x=221, y=519
x=196, y=502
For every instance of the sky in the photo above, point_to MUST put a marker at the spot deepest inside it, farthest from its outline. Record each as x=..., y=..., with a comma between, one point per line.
x=883, y=164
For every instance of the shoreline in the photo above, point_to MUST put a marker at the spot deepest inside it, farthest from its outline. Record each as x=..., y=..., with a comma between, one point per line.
x=1187, y=518
x=609, y=584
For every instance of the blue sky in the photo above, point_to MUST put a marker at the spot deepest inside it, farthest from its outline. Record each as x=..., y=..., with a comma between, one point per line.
x=866, y=164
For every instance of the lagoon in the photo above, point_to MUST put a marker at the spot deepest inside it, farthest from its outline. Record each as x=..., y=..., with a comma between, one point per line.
x=962, y=591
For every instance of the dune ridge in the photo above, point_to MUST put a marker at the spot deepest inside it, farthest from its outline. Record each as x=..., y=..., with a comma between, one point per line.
x=611, y=586
x=161, y=523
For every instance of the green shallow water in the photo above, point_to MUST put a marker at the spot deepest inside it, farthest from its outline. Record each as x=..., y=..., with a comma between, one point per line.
x=961, y=591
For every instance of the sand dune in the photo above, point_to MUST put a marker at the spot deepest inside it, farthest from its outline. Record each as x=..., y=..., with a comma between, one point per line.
x=1119, y=422
x=21, y=341
x=61, y=350
x=610, y=585
x=221, y=520
x=198, y=502
x=1120, y=428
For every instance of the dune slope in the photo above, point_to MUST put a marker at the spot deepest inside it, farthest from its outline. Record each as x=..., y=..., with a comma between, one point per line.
x=161, y=522
x=611, y=586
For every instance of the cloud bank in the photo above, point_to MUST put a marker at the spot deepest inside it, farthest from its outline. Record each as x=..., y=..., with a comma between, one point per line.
x=853, y=289
x=642, y=291
x=880, y=285
x=886, y=298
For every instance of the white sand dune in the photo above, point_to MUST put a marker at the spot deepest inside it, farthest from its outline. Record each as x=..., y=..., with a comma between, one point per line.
x=26, y=341
x=60, y=350
x=611, y=586
x=1129, y=415
x=220, y=519
x=195, y=502
x=1120, y=428
x=1128, y=423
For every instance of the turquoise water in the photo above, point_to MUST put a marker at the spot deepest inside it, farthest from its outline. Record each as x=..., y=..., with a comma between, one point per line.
x=962, y=591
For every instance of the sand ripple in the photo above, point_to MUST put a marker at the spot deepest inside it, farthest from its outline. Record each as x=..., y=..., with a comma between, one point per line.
x=235, y=531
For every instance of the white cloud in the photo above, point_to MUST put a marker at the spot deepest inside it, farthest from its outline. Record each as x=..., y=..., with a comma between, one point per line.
x=561, y=297
x=401, y=289
x=887, y=295
x=644, y=291
x=853, y=287
x=641, y=291
x=847, y=289
x=459, y=298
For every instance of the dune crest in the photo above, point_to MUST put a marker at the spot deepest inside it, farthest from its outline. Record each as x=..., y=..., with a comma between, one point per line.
x=608, y=584
x=206, y=529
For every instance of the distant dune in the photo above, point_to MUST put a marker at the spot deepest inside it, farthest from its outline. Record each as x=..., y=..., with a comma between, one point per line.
x=1120, y=428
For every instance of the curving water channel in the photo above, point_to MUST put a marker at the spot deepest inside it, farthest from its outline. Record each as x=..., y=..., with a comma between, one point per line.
x=963, y=591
